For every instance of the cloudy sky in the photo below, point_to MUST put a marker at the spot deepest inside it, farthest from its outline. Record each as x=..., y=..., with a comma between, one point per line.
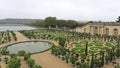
x=81, y=10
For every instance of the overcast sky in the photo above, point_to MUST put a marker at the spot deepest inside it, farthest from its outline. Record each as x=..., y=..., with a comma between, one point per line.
x=105, y=10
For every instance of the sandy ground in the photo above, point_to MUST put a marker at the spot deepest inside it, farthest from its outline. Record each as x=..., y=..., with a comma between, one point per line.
x=45, y=59
x=2, y=63
x=20, y=38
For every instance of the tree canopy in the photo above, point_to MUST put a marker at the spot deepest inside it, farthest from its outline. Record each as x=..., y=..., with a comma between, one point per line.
x=54, y=22
x=118, y=19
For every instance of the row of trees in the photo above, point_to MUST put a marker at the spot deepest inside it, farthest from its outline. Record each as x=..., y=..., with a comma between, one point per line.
x=65, y=36
x=5, y=37
x=30, y=62
x=14, y=35
x=15, y=61
x=69, y=57
x=83, y=60
x=54, y=22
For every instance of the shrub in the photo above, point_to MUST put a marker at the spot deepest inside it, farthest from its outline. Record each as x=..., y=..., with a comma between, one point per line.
x=21, y=53
x=27, y=55
x=30, y=62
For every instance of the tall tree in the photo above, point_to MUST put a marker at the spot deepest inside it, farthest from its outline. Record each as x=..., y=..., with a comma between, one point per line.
x=118, y=19
x=86, y=50
x=102, y=58
x=62, y=41
x=92, y=61
x=118, y=47
x=50, y=21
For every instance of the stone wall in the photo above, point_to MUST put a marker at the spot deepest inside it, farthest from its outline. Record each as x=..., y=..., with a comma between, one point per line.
x=100, y=29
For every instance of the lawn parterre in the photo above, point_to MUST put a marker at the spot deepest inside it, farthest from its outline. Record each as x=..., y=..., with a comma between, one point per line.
x=93, y=46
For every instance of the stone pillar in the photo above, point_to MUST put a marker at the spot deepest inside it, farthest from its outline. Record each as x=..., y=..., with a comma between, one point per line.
x=93, y=29
x=90, y=30
x=100, y=30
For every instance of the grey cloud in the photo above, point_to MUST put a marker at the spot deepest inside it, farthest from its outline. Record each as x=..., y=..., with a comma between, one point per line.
x=106, y=10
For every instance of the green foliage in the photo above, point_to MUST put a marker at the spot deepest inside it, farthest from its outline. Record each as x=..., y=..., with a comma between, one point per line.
x=14, y=35
x=118, y=52
x=97, y=62
x=79, y=48
x=86, y=50
x=14, y=63
x=6, y=60
x=0, y=40
x=118, y=19
x=78, y=64
x=66, y=58
x=108, y=44
x=8, y=36
x=4, y=51
x=12, y=55
x=107, y=57
x=92, y=62
x=53, y=22
x=85, y=65
x=117, y=66
x=30, y=62
x=37, y=66
x=37, y=23
x=83, y=56
x=94, y=47
x=0, y=59
x=21, y=53
x=62, y=41
x=102, y=58
x=26, y=56
x=50, y=21
x=73, y=59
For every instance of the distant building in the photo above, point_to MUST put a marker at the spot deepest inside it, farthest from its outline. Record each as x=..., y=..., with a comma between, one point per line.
x=100, y=28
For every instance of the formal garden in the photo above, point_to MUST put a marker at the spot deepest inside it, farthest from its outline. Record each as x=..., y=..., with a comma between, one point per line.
x=81, y=50
x=92, y=47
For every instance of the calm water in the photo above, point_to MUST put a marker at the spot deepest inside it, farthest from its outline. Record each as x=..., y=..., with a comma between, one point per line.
x=15, y=28
x=32, y=47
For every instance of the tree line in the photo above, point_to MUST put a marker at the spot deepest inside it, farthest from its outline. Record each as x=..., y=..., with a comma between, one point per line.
x=56, y=23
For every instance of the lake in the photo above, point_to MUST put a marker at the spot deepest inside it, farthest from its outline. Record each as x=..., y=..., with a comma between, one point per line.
x=15, y=28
